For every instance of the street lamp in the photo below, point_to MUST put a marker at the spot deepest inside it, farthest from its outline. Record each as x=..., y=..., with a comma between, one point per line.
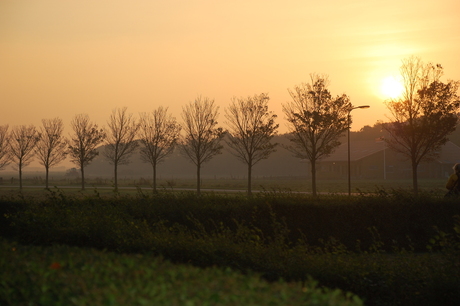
x=348, y=138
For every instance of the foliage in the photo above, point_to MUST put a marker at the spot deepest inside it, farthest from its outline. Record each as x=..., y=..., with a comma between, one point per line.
x=316, y=121
x=424, y=115
x=445, y=241
x=63, y=275
x=278, y=235
x=83, y=144
x=202, y=138
x=120, y=142
x=159, y=133
x=251, y=129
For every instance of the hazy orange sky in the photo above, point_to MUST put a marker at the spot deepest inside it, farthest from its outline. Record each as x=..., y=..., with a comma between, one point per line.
x=59, y=58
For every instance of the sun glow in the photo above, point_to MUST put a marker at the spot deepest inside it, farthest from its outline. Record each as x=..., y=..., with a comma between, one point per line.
x=391, y=87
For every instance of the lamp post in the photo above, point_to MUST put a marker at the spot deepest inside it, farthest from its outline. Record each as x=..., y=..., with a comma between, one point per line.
x=348, y=138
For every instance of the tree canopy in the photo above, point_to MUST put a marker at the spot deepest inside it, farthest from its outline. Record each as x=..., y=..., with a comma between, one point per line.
x=159, y=133
x=84, y=142
x=316, y=121
x=201, y=141
x=424, y=116
x=251, y=129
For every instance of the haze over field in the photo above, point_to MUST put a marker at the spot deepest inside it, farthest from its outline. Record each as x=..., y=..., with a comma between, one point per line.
x=61, y=58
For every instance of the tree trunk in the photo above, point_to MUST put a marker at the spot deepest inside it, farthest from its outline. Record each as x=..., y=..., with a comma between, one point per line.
x=313, y=177
x=154, y=166
x=115, y=176
x=82, y=170
x=415, y=177
x=249, y=178
x=198, y=179
x=20, y=175
x=47, y=170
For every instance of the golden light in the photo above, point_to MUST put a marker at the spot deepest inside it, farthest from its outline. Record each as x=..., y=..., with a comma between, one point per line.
x=391, y=87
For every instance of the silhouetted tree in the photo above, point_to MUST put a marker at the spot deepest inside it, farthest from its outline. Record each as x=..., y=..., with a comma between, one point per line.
x=316, y=121
x=424, y=115
x=120, y=142
x=202, y=138
x=83, y=144
x=51, y=147
x=22, y=143
x=5, y=150
x=159, y=133
x=251, y=129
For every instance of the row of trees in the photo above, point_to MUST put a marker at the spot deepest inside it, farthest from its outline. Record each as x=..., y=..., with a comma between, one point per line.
x=251, y=124
x=422, y=118
x=314, y=116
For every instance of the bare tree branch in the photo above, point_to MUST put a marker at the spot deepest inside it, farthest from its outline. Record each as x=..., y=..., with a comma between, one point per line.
x=5, y=151
x=159, y=133
x=202, y=138
x=83, y=144
x=120, y=142
x=22, y=143
x=251, y=128
x=51, y=148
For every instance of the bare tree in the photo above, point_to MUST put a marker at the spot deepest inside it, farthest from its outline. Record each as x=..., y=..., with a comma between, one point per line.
x=51, y=148
x=316, y=121
x=83, y=144
x=120, y=143
x=159, y=133
x=251, y=129
x=202, y=138
x=5, y=152
x=22, y=144
x=424, y=115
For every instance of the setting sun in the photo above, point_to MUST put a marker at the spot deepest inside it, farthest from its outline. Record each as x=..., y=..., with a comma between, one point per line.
x=391, y=87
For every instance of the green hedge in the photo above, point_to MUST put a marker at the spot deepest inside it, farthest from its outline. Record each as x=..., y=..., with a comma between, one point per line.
x=389, y=249
x=62, y=275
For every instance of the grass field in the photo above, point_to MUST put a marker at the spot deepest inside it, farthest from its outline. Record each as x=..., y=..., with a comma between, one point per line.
x=294, y=184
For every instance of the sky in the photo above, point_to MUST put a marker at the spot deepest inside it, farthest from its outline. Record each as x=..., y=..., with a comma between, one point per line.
x=59, y=58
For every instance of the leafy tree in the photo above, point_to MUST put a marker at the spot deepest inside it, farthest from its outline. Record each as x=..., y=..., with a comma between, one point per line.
x=120, y=143
x=83, y=144
x=51, y=147
x=251, y=129
x=424, y=115
x=22, y=144
x=202, y=138
x=316, y=121
x=5, y=152
x=159, y=133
